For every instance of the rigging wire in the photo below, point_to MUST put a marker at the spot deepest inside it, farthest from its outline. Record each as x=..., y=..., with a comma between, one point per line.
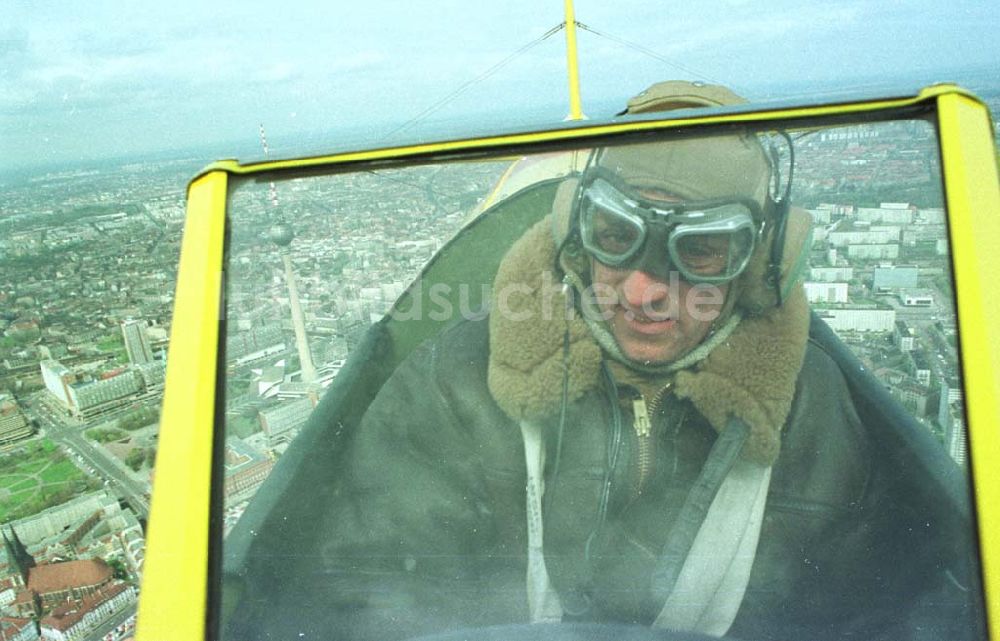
x=483, y=76
x=511, y=57
x=648, y=52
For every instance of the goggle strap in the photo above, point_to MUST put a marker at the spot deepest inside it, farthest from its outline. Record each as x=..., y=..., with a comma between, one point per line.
x=778, y=248
x=781, y=206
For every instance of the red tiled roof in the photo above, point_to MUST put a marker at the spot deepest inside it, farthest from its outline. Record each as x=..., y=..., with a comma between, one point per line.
x=55, y=577
x=62, y=621
x=21, y=596
x=64, y=608
x=91, y=601
x=69, y=613
x=10, y=627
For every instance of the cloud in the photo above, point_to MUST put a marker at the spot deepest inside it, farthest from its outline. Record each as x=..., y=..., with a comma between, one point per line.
x=14, y=54
x=89, y=70
x=111, y=45
x=358, y=61
x=182, y=68
x=13, y=43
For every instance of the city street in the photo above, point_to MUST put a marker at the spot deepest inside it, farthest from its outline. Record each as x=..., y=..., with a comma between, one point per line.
x=108, y=626
x=95, y=460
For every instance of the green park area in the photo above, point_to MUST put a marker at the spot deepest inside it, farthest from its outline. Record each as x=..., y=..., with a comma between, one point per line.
x=37, y=477
x=106, y=435
x=113, y=344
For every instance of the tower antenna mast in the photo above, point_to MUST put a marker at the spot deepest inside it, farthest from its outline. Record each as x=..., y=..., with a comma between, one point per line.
x=281, y=234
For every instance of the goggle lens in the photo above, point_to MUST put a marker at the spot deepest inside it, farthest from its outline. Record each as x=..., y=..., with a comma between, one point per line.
x=612, y=233
x=715, y=255
x=706, y=244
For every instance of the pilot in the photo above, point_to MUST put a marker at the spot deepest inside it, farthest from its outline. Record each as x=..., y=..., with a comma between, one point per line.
x=641, y=433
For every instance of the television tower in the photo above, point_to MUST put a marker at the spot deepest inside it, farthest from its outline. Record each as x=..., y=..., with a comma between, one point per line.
x=281, y=234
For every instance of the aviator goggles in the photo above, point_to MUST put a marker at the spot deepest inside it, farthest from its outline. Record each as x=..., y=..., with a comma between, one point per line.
x=707, y=241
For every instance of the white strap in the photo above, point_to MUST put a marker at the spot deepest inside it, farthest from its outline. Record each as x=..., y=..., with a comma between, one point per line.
x=543, y=601
x=714, y=577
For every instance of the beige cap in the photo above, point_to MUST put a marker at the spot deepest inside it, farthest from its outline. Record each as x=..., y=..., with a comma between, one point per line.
x=694, y=169
x=681, y=94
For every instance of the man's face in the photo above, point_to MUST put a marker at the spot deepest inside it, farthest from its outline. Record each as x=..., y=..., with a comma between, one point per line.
x=652, y=318
x=655, y=315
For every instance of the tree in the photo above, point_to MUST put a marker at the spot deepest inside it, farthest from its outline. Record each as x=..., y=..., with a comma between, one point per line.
x=135, y=458
x=119, y=568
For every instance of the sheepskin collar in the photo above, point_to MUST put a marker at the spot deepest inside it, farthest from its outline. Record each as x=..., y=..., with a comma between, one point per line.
x=751, y=375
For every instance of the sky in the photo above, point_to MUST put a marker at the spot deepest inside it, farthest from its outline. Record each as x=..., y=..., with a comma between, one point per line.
x=90, y=81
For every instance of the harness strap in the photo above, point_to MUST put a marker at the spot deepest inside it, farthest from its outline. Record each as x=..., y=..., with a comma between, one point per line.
x=713, y=581
x=543, y=601
x=703, y=572
x=721, y=458
x=705, y=566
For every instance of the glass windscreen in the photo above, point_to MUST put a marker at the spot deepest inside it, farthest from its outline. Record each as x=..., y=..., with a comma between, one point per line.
x=705, y=384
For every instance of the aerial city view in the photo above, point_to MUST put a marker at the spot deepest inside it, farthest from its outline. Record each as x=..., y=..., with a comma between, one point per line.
x=88, y=261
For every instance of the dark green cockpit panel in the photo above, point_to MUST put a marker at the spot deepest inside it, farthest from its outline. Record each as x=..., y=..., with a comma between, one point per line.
x=456, y=279
x=454, y=282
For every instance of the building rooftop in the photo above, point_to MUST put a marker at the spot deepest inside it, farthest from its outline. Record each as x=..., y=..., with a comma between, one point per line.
x=55, y=577
x=240, y=455
x=11, y=627
x=68, y=614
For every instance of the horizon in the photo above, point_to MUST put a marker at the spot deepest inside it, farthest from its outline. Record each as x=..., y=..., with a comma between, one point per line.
x=88, y=83
x=350, y=139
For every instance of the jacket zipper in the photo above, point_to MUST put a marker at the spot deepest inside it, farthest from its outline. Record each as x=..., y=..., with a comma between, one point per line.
x=646, y=445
